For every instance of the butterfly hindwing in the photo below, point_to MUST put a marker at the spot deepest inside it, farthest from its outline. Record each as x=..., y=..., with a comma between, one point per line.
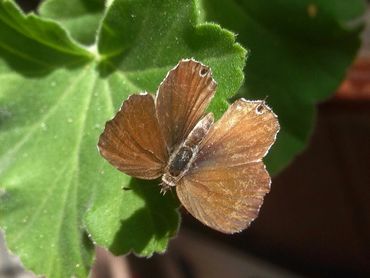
x=182, y=99
x=225, y=186
x=132, y=141
x=225, y=198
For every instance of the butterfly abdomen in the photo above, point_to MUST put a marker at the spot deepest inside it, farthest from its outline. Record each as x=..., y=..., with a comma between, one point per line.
x=178, y=164
x=180, y=161
x=182, y=158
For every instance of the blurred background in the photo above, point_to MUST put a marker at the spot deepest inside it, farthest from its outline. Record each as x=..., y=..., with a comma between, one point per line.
x=315, y=222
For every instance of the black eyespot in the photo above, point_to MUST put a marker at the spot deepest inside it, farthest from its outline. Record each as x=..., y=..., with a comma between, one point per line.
x=203, y=72
x=260, y=108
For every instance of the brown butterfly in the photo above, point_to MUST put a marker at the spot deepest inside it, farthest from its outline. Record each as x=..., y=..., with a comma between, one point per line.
x=217, y=168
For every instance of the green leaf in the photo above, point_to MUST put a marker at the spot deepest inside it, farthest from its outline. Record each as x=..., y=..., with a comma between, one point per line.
x=299, y=52
x=145, y=49
x=55, y=97
x=48, y=46
x=141, y=228
x=80, y=17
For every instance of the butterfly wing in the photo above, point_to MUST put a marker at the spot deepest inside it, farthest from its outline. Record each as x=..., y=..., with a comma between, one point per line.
x=132, y=140
x=182, y=99
x=226, y=199
x=226, y=183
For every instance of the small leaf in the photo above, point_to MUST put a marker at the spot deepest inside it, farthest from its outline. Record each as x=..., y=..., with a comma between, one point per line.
x=55, y=97
x=299, y=52
x=48, y=45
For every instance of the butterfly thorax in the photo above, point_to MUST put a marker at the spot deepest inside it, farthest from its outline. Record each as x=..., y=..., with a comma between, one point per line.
x=183, y=156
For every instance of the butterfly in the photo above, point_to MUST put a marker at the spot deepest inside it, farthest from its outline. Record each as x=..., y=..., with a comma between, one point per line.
x=216, y=167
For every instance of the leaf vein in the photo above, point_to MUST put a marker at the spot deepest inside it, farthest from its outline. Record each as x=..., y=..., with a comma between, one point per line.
x=9, y=156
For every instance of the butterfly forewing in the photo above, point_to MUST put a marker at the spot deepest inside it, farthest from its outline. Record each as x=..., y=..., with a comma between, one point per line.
x=244, y=134
x=226, y=183
x=182, y=99
x=132, y=140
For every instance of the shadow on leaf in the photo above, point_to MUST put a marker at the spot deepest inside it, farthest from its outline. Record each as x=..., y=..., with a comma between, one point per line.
x=148, y=229
x=34, y=47
x=35, y=67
